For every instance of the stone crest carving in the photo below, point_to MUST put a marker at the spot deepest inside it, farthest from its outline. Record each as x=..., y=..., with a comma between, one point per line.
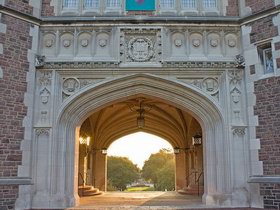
x=66, y=43
x=196, y=42
x=178, y=42
x=214, y=42
x=231, y=43
x=140, y=49
x=49, y=43
x=102, y=42
x=70, y=85
x=210, y=85
x=140, y=45
x=84, y=42
x=45, y=94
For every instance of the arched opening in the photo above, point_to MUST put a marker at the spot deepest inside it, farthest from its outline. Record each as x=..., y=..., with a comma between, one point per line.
x=150, y=115
x=174, y=96
x=133, y=164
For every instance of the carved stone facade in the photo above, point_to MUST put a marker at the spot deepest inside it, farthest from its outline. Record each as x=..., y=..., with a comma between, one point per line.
x=58, y=69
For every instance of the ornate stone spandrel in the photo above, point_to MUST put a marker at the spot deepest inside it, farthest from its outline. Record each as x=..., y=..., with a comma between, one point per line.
x=70, y=86
x=89, y=81
x=209, y=85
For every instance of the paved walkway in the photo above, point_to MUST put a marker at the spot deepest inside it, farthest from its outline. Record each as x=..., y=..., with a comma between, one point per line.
x=141, y=200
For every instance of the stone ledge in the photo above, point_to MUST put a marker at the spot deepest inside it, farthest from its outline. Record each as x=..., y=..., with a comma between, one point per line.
x=265, y=179
x=15, y=181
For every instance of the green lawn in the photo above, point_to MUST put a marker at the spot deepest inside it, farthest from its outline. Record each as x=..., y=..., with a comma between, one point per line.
x=134, y=189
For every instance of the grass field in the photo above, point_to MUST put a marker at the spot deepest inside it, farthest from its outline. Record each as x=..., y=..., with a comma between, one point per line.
x=135, y=189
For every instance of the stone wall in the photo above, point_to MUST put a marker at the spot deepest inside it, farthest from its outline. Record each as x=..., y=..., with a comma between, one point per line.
x=263, y=29
x=268, y=110
x=259, y=5
x=233, y=8
x=8, y=195
x=14, y=64
x=21, y=6
x=47, y=8
x=266, y=96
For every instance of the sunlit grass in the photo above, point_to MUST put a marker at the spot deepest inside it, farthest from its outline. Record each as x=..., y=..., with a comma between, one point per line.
x=137, y=189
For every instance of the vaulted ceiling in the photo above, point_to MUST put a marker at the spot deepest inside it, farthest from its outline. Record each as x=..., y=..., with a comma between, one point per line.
x=120, y=119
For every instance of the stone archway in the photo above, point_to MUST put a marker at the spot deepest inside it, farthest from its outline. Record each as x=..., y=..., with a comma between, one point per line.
x=94, y=98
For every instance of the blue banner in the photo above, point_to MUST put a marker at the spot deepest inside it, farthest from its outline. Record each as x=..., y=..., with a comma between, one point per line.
x=138, y=5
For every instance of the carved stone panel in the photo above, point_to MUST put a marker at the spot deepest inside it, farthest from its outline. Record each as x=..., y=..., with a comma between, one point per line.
x=209, y=85
x=43, y=97
x=140, y=45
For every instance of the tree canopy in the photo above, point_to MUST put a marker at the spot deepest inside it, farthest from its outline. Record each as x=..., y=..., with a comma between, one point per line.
x=121, y=172
x=160, y=169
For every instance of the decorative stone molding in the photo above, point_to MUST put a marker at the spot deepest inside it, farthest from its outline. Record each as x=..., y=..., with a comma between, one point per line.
x=81, y=65
x=238, y=130
x=182, y=65
x=42, y=131
x=197, y=64
x=235, y=76
x=45, y=78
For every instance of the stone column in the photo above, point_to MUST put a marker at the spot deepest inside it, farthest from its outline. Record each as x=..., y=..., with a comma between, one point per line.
x=180, y=172
x=100, y=171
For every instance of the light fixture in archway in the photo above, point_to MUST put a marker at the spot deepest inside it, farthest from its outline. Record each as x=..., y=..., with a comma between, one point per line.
x=197, y=139
x=84, y=141
x=141, y=108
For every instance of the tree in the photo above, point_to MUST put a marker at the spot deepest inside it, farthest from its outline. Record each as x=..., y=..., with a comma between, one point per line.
x=159, y=169
x=121, y=172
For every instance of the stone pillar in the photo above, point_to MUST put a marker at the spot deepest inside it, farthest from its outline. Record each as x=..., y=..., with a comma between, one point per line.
x=100, y=171
x=180, y=172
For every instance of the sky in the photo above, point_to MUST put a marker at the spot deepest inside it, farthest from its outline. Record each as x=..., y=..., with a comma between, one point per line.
x=137, y=147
